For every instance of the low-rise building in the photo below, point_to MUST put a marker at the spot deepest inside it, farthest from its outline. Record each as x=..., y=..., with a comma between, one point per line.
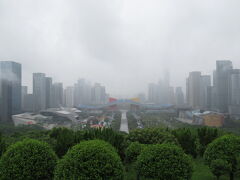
x=209, y=118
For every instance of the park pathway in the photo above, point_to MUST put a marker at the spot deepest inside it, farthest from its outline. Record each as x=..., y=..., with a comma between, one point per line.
x=124, y=122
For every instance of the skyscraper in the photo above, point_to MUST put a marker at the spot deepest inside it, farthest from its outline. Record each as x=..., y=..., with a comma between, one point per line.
x=57, y=95
x=98, y=94
x=82, y=92
x=39, y=91
x=234, y=93
x=223, y=70
x=193, y=89
x=48, y=91
x=24, y=93
x=205, y=83
x=69, y=96
x=179, y=96
x=28, y=103
x=153, y=93
x=10, y=89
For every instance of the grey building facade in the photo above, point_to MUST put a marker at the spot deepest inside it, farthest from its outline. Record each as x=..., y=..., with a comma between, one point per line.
x=57, y=95
x=234, y=93
x=193, y=89
x=69, y=97
x=205, y=83
x=223, y=70
x=39, y=91
x=24, y=93
x=48, y=91
x=10, y=89
x=179, y=96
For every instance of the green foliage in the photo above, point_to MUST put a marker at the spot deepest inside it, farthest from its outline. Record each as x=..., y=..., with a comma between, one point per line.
x=9, y=129
x=226, y=148
x=187, y=139
x=151, y=136
x=93, y=159
x=220, y=167
x=28, y=160
x=115, y=125
x=164, y=161
x=206, y=135
x=64, y=139
x=2, y=145
x=133, y=151
x=116, y=139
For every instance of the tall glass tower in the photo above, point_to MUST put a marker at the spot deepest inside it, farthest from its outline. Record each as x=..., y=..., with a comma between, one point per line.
x=10, y=89
x=223, y=71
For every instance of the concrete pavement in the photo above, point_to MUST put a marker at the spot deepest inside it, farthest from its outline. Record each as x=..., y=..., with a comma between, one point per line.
x=124, y=122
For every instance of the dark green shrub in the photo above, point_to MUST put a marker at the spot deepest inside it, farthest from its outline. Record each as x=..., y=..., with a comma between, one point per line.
x=151, y=136
x=133, y=151
x=206, y=135
x=94, y=159
x=116, y=139
x=164, y=161
x=187, y=139
x=220, y=167
x=28, y=160
x=64, y=139
x=226, y=148
x=2, y=145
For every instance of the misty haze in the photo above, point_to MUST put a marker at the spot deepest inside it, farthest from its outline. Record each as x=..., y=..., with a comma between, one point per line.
x=119, y=89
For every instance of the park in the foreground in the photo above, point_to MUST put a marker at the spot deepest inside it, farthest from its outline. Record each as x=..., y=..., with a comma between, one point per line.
x=196, y=153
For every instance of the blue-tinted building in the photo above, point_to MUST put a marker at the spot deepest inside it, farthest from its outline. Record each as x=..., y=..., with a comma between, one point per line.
x=10, y=89
x=39, y=91
x=223, y=70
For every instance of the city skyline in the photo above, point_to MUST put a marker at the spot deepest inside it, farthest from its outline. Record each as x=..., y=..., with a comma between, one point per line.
x=122, y=44
x=162, y=79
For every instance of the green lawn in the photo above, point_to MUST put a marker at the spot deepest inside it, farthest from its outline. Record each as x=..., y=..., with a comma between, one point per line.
x=201, y=172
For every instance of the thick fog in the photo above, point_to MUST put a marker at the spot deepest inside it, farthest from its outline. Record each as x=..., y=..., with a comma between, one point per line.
x=123, y=44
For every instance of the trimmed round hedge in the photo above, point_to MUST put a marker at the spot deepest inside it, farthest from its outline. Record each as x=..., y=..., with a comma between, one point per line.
x=226, y=148
x=164, y=161
x=28, y=160
x=94, y=159
x=133, y=151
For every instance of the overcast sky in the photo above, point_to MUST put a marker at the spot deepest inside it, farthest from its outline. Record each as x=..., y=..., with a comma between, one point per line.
x=123, y=44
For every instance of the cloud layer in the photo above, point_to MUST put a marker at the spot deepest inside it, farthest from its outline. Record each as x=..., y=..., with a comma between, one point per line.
x=124, y=44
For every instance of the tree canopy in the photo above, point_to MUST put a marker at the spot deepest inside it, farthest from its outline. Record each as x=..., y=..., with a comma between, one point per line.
x=164, y=161
x=28, y=160
x=94, y=159
x=226, y=148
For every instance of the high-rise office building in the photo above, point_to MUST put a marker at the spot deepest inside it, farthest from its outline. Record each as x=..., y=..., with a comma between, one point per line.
x=10, y=89
x=234, y=86
x=57, y=95
x=179, y=96
x=28, y=105
x=82, y=92
x=234, y=93
x=193, y=89
x=39, y=91
x=153, y=93
x=69, y=97
x=98, y=94
x=24, y=93
x=48, y=91
x=223, y=70
x=204, y=90
x=163, y=91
